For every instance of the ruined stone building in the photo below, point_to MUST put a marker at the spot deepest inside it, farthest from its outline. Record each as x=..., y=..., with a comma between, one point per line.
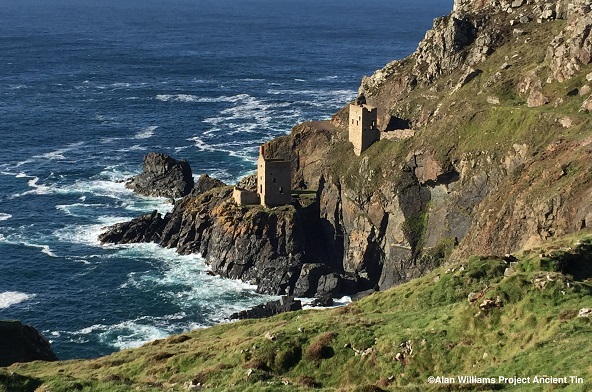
x=363, y=128
x=274, y=180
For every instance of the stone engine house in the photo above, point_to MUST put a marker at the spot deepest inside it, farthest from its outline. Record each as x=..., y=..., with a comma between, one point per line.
x=274, y=180
x=363, y=129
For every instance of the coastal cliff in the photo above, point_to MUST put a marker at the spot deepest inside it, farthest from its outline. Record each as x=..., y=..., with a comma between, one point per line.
x=486, y=150
x=481, y=185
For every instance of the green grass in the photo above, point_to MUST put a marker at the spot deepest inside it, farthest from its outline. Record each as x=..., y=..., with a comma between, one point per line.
x=395, y=340
x=392, y=340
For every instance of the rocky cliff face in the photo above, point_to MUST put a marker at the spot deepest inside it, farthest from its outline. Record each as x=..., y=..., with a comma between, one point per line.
x=266, y=247
x=486, y=172
x=22, y=343
x=497, y=98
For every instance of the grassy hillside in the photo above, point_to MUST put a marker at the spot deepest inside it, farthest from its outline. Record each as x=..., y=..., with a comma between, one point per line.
x=483, y=316
x=392, y=340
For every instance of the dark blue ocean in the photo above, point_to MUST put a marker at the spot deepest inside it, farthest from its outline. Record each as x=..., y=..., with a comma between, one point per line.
x=87, y=88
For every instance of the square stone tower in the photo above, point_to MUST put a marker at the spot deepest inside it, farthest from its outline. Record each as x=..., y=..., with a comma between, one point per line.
x=274, y=180
x=363, y=129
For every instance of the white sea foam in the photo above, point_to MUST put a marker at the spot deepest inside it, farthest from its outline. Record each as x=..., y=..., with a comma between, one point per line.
x=325, y=78
x=47, y=250
x=108, y=140
x=179, y=149
x=146, y=133
x=177, y=98
x=183, y=280
x=21, y=163
x=239, y=149
x=78, y=209
x=9, y=298
x=59, y=153
x=136, y=332
x=194, y=98
x=87, y=234
x=337, y=302
x=4, y=216
x=106, y=188
x=53, y=155
x=135, y=147
x=17, y=86
x=37, y=189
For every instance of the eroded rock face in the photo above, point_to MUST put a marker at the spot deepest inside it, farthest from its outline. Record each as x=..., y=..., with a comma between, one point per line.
x=22, y=343
x=162, y=176
x=267, y=247
x=572, y=48
x=146, y=228
x=206, y=183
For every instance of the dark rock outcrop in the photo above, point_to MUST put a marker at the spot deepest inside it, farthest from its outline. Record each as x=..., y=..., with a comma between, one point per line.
x=206, y=183
x=255, y=244
x=162, y=176
x=22, y=343
x=271, y=308
x=146, y=228
x=322, y=301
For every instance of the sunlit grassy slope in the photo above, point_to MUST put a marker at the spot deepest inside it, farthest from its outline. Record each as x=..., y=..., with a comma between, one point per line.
x=392, y=340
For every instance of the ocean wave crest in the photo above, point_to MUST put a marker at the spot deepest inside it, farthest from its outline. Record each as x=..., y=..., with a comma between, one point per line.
x=146, y=133
x=177, y=98
x=10, y=298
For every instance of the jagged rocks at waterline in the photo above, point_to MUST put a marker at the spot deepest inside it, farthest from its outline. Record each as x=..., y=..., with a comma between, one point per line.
x=145, y=228
x=271, y=308
x=22, y=343
x=258, y=245
x=162, y=176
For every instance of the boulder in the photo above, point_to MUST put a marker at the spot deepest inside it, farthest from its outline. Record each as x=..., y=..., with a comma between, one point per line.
x=329, y=284
x=162, y=176
x=536, y=98
x=473, y=296
x=22, y=343
x=322, y=301
x=362, y=294
x=489, y=304
x=308, y=281
x=271, y=308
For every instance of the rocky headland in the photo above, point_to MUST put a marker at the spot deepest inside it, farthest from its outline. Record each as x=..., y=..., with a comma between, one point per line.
x=485, y=149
